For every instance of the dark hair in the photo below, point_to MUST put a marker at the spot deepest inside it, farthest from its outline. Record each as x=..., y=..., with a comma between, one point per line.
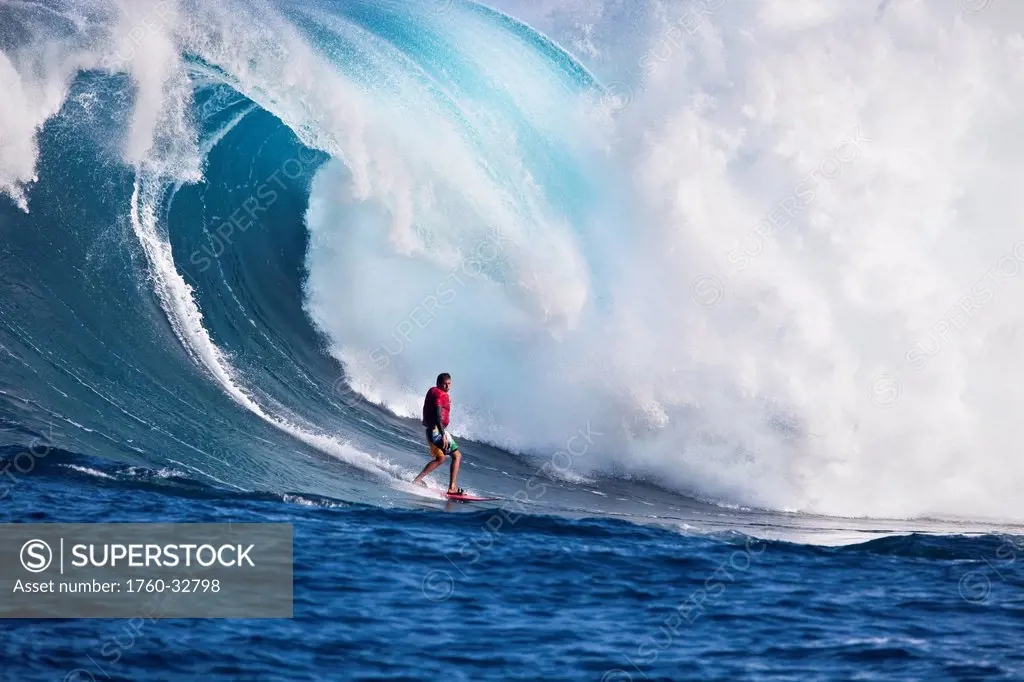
x=441, y=378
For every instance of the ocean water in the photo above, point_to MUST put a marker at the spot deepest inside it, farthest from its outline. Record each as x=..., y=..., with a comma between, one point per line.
x=481, y=592
x=728, y=289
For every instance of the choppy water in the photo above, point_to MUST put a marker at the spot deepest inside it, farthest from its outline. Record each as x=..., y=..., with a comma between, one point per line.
x=486, y=594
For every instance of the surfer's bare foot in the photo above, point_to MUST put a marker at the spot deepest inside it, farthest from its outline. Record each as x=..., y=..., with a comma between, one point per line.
x=456, y=491
x=420, y=482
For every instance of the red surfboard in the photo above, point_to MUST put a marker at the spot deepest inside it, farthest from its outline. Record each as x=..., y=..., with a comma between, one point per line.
x=469, y=498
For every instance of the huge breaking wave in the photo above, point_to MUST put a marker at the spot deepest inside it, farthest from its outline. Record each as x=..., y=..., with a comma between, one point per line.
x=763, y=254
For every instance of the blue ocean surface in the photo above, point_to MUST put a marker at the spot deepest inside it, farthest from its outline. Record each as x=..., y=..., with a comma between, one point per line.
x=727, y=292
x=487, y=593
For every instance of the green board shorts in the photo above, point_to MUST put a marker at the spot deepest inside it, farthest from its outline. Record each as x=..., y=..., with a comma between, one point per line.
x=435, y=439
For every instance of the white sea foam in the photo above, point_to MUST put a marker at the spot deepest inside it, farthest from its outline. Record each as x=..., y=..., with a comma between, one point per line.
x=767, y=314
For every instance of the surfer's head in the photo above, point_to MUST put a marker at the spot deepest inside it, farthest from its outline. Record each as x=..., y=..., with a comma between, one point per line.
x=444, y=381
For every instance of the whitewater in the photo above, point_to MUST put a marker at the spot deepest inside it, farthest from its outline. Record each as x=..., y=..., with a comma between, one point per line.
x=764, y=254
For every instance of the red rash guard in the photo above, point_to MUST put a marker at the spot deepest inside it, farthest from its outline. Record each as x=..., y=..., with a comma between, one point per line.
x=437, y=406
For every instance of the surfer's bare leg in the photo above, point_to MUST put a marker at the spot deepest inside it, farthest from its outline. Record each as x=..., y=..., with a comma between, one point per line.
x=431, y=465
x=456, y=459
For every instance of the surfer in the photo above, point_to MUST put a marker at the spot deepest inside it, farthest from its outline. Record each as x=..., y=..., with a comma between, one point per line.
x=437, y=407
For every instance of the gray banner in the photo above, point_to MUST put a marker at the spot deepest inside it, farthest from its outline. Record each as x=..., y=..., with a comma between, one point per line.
x=146, y=570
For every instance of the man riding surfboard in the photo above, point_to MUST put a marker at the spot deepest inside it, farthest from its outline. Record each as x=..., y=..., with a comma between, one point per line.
x=437, y=406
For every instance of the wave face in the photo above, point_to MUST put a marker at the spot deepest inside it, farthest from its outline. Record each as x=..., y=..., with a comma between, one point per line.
x=767, y=258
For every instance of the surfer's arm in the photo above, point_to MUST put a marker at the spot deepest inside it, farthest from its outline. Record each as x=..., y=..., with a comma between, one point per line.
x=439, y=421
